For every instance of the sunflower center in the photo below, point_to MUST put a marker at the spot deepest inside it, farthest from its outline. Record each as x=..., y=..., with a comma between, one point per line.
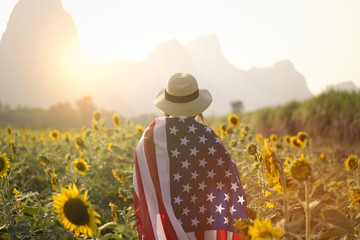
x=80, y=166
x=352, y=164
x=2, y=163
x=233, y=121
x=76, y=212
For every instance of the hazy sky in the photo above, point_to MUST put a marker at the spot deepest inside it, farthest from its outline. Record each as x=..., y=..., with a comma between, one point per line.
x=320, y=37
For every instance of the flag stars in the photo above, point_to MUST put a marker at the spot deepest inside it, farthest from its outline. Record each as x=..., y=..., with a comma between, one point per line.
x=194, y=222
x=193, y=151
x=219, y=208
x=192, y=128
x=202, y=209
x=241, y=200
x=211, y=174
x=193, y=198
x=177, y=200
x=194, y=175
x=182, y=119
x=232, y=210
x=217, y=140
x=177, y=176
x=185, y=164
x=202, y=185
x=226, y=220
x=185, y=211
x=212, y=150
x=210, y=197
x=210, y=220
x=203, y=139
x=184, y=141
x=228, y=173
x=208, y=129
x=219, y=185
x=203, y=162
x=173, y=130
x=175, y=153
x=186, y=188
x=227, y=197
x=234, y=186
x=220, y=162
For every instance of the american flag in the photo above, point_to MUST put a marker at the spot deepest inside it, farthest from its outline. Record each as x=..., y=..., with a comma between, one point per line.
x=186, y=185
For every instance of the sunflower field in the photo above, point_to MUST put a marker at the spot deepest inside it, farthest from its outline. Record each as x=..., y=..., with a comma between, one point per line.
x=77, y=184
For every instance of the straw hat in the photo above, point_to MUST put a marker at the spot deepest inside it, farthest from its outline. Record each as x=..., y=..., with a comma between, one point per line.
x=182, y=96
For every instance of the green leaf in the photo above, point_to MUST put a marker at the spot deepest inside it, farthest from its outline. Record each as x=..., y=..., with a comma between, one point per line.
x=30, y=210
x=337, y=220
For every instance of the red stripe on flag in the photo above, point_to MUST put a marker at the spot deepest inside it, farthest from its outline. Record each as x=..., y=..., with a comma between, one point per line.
x=143, y=221
x=150, y=154
x=236, y=236
x=221, y=234
x=200, y=235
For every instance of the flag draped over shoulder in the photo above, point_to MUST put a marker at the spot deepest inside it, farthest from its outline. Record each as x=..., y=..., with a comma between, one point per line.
x=186, y=185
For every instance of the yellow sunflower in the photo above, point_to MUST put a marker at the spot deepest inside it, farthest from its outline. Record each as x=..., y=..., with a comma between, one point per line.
x=296, y=143
x=116, y=120
x=54, y=181
x=323, y=156
x=96, y=116
x=114, y=212
x=300, y=169
x=351, y=162
x=287, y=139
x=8, y=129
x=4, y=165
x=79, y=142
x=110, y=145
x=258, y=137
x=251, y=149
x=75, y=212
x=54, y=134
x=139, y=128
x=66, y=136
x=94, y=125
x=81, y=166
x=44, y=161
x=119, y=176
x=354, y=196
x=273, y=138
x=233, y=119
x=262, y=230
x=302, y=136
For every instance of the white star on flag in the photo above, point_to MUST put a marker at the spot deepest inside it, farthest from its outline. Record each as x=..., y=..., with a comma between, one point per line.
x=210, y=197
x=186, y=188
x=234, y=186
x=173, y=130
x=227, y=197
x=202, y=162
x=192, y=128
x=202, y=139
x=202, y=209
x=211, y=174
x=194, y=175
x=184, y=141
x=175, y=153
x=228, y=173
x=220, y=162
x=241, y=200
x=194, y=222
x=232, y=210
x=202, y=185
x=193, y=198
x=178, y=200
x=212, y=150
x=185, y=164
x=220, y=185
x=219, y=208
x=177, y=177
x=210, y=220
x=226, y=220
x=185, y=211
x=193, y=151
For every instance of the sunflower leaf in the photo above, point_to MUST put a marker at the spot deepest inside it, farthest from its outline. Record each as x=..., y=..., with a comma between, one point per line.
x=337, y=220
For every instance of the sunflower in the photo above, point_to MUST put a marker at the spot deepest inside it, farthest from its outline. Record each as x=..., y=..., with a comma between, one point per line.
x=296, y=143
x=4, y=165
x=54, y=181
x=66, y=136
x=251, y=149
x=258, y=137
x=96, y=116
x=262, y=230
x=94, y=125
x=41, y=139
x=75, y=212
x=268, y=204
x=114, y=212
x=302, y=136
x=122, y=195
x=54, y=134
x=81, y=166
x=229, y=130
x=273, y=138
x=116, y=120
x=16, y=193
x=233, y=119
x=300, y=169
x=8, y=129
x=79, y=142
x=44, y=161
x=287, y=139
x=139, y=128
x=109, y=146
x=354, y=196
x=351, y=162
x=119, y=176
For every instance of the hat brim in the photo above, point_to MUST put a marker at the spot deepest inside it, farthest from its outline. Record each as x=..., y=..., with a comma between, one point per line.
x=190, y=109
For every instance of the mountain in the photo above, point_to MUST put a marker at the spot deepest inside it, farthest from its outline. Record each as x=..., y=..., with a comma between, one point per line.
x=343, y=86
x=41, y=64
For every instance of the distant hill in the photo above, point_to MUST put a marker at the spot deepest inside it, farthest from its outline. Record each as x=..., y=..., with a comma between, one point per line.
x=41, y=64
x=343, y=86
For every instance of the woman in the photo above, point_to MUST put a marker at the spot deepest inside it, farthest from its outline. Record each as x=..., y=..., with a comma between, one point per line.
x=186, y=186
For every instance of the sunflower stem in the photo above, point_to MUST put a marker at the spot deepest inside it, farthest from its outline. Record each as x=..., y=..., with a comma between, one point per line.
x=283, y=178
x=307, y=210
